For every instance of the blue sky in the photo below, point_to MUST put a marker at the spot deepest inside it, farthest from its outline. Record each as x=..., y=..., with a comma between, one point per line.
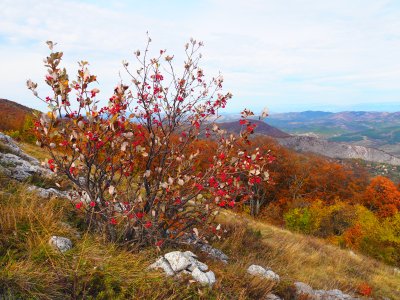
x=289, y=55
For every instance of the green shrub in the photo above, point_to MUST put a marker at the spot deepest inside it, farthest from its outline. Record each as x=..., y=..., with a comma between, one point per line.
x=300, y=220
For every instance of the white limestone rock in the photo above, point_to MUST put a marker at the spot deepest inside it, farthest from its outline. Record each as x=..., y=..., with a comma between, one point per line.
x=257, y=270
x=176, y=263
x=204, y=278
x=163, y=264
x=63, y=244
x=20, y=169
x=178, y=260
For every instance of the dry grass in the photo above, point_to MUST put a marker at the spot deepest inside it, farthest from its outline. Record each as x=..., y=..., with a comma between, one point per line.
x=35, y=151
x=94, y=268
x=296, y=257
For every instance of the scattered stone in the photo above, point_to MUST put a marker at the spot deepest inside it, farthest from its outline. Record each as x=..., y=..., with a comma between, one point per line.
x=177, y=263
x=263, y=272
x=304, y=290
x=61, y=243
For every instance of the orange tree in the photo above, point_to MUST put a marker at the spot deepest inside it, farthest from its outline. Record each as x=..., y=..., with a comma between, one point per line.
x=382, y=196
x=134, y=163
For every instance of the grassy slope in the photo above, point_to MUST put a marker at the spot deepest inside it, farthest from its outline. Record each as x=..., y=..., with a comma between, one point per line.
x=304, y=258
x=99, y=270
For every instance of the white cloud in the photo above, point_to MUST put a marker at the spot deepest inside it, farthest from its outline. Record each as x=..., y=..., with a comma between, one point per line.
x=277, y=51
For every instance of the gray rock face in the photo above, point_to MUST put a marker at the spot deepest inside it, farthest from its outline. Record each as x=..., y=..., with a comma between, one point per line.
x=61, y=243
x=177, y=262
x=263, y=272
x=16, y=163
x=15, y=149
x=304, y=290
x=18, y=168
x=337, y=150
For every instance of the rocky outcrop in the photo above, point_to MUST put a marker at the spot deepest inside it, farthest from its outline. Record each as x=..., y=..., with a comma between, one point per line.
x=177, y=262
x=13, y=148
x=16, y=164
x=337, y=150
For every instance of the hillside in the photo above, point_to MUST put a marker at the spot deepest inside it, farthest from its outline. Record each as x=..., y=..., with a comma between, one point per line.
x=338, y=150
x=94, y=268
x=13, y=115
x=261, y=129
x=328, y=148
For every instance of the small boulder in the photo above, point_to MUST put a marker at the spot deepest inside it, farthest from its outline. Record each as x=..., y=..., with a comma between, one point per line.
x=178, y=263
x=263, y=272
x=162, y=263
x=204, y=278
x=178, y=260
x=61, y=243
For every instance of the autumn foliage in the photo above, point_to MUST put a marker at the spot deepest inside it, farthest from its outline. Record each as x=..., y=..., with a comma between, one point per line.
x=383, y=196
x=331, y=199
x=137, y=165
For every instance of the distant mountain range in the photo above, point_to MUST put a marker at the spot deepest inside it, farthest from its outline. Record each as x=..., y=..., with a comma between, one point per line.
x=310, y=131
x=379, y=130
